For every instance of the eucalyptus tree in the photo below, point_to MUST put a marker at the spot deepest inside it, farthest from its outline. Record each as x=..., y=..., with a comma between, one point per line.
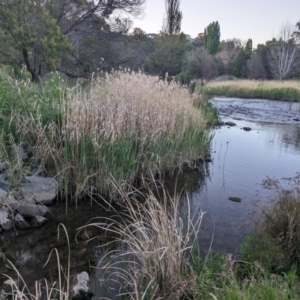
x=43, y=34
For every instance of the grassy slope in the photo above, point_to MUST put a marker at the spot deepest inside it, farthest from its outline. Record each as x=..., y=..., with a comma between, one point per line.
x=274, y=90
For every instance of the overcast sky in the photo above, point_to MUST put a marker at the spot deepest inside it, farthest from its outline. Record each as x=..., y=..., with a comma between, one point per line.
x=256, y=19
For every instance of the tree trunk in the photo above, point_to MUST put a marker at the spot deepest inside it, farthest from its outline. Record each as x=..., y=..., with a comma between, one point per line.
x=34, y=75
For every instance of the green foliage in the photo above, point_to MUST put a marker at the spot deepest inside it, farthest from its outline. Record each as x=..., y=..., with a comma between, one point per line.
x=168, y=56
x=212, y=38
x=32, y=36
x=239, y=64
x=275, y=241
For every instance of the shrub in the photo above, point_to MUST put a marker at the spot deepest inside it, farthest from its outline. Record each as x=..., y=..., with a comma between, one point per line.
x=275, y=240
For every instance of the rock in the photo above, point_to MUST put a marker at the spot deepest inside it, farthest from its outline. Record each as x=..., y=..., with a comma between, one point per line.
x=9, y=201
x=28, y=209
x=82, y=283
x=229, y=123
x=6, y=224
x=3, y=213
x=42, y=189
x=219, y=124
x=38, y=221
x=296, y=119
x=4, y=166
x=21, y=222
x=235, y=199
x=3, y=194
x=3, y=182
x=247, y=128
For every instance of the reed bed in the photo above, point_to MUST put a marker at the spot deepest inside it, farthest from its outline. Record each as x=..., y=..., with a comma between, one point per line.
x=288, y=90
x=123, y=126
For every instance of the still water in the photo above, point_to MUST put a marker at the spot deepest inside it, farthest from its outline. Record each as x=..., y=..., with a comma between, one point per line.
x=241, y=160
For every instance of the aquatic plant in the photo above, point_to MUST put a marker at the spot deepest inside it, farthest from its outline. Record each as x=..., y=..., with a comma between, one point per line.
x=124, y=125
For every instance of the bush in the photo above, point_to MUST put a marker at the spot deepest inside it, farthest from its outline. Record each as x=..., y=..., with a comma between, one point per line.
x=275, y=240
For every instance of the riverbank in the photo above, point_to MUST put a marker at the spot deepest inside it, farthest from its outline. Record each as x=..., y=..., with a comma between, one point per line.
x=288, y=90
x=118, y=127
x=163, y=261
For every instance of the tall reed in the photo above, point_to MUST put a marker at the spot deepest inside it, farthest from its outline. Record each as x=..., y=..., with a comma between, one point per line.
x=123, y=126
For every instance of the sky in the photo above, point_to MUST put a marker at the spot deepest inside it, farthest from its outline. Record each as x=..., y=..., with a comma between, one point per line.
x=257, y=19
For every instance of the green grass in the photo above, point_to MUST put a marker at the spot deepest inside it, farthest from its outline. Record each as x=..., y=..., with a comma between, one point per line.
x=274, y=90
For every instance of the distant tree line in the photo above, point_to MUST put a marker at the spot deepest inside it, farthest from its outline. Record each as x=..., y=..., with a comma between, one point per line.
x=80, y=37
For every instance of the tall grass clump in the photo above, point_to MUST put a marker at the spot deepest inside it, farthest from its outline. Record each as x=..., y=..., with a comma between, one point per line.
x=123, y=126
x=275, y=240
x=152, y=245
x=288, y=90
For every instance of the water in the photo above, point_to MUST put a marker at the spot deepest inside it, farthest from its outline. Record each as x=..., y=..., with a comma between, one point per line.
x=240, y=162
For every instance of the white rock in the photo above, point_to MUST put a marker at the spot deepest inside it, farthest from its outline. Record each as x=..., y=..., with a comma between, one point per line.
x=82, y=282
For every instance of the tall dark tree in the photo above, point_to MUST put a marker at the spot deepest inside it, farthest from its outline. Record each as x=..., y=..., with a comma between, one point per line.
x=239, y=64
x=212, y=36
x=172, y=22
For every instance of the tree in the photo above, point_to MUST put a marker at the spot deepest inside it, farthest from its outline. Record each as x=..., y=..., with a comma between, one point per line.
x=172, y=22
x=42, y=34
x=212, y=38
x=31, y=37
x=230, y=50
x=239, y=64
x=169, y=55
x=255, y=66
x=284, y=56
x=199, y=64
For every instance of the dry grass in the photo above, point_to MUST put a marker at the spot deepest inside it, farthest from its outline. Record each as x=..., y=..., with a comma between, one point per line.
x=124, y=104
x=155, y=241
x=124, y=126
x=255, y=84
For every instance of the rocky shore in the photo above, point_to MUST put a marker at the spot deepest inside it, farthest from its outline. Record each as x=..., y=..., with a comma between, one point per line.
x=24, y=206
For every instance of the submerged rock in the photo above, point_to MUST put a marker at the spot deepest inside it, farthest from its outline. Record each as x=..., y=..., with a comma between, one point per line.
x=247, y=128
x=21, y=222
x=230, y=123
x=42, y=189
x=6, y=224
x=235, y=199
x=38, y=221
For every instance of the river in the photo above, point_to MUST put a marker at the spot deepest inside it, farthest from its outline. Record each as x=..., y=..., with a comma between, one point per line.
x=241, y=161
